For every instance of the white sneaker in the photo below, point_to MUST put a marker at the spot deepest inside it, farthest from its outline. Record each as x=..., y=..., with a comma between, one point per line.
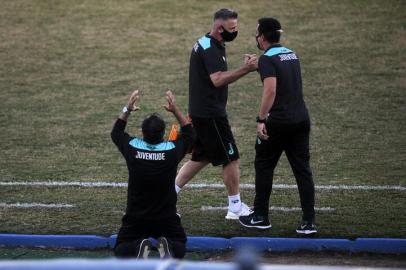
x=244, y=211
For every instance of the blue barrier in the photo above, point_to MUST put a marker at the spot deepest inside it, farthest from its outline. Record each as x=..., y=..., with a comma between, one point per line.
x=376, y=245
x=197, y=243
x=200, y=243
x=54, y=241
x=210, y=244
x=112, y=240
x=291, y=244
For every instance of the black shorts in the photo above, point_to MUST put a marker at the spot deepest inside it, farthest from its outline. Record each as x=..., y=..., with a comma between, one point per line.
x=215, y=141
x=133, y=231
x=170, y=228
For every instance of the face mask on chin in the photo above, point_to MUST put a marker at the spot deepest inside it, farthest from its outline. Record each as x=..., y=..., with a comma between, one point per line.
x=228, y=36
x=258, y=45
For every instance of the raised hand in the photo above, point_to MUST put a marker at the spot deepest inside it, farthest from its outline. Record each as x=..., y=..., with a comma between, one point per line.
x=131, y=105
x=170, y=98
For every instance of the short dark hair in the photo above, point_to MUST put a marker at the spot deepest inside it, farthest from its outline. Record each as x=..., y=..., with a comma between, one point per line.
x=270, y=28
x=153, y=128
x=225, y=14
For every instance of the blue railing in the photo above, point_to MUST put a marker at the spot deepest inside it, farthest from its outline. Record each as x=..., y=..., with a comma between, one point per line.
x=210, y=244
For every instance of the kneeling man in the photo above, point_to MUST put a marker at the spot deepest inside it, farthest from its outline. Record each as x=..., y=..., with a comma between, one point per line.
x=151, y=199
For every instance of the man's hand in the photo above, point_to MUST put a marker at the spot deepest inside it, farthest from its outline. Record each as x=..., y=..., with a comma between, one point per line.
x=170, y=107
x=250, y=62
x=131, y=105
x=248, y=57
x=221, y=78
x=261, y=131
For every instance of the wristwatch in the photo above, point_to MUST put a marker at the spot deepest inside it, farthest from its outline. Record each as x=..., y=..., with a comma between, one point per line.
x=126, y=110
x=259, y=120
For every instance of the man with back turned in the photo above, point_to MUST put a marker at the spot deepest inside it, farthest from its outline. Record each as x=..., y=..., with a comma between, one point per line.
x=151, y=199
x=283, y=125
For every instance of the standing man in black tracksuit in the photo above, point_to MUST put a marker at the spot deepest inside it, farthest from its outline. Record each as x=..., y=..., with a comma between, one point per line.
x=209, y=78
x=151, y=199
x=282, y=125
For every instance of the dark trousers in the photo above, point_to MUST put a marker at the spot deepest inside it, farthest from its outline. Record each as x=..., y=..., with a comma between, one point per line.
x=294, y=140
x=132, y=232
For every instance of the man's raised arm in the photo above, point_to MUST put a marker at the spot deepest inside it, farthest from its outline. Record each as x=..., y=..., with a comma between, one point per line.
x=117, y=134
x=171, y=107
x=188, y=136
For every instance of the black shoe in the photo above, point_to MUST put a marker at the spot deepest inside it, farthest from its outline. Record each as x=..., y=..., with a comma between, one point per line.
x=306, y=228
x=143, y=249
x=255, y=221
x=164, y=248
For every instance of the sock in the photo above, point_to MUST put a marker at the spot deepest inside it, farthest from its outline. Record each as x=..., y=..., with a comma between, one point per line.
x=177, y=188
x=234, y=203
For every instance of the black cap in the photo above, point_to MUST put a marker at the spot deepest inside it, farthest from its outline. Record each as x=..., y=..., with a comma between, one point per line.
x=268, y=25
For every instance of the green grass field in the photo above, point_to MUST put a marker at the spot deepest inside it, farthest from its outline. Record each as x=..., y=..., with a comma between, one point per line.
x=67, y=68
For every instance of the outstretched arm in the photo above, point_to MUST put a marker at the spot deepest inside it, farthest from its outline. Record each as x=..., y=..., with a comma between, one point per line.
x=171, y=107
x=131, y=106
x=222, y=78
x=118, y=134
x=187, y=135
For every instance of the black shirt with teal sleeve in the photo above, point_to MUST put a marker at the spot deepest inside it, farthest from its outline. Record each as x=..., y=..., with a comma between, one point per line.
x=283, y=64
x=205, y=100
x=152, y=171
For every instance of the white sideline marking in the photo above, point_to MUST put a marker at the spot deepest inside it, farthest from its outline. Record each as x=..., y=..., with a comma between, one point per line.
x=196, y=186
x=35, y=205
x=64, y=184
x=287, y=186
x=272, y=208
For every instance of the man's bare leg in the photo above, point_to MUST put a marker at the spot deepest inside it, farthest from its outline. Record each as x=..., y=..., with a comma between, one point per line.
x=231, y=177
x=188, y=171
